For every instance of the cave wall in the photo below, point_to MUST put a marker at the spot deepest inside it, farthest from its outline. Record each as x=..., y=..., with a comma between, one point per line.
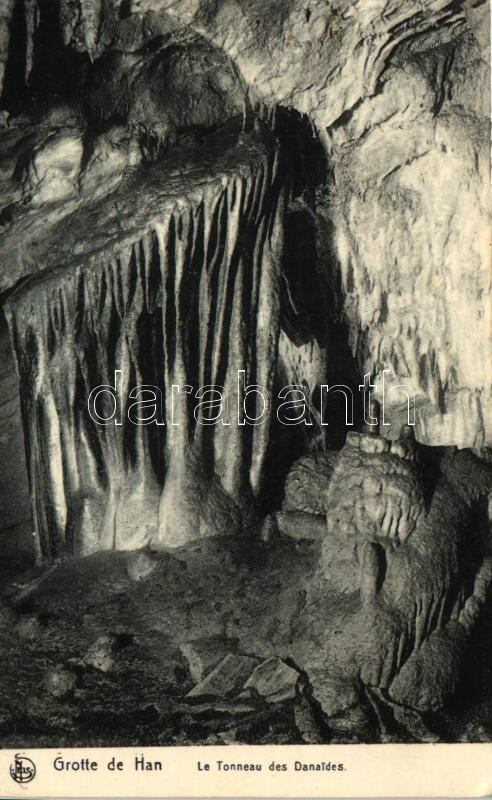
x=402, y=105
x=398, y=94
x=411, y=211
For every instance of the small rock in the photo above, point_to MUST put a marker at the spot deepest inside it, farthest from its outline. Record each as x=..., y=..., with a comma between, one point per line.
x=269, y=529
x=100, y=654
x=228, y=736
x=353, y=724
x=476, y=732
x=227, y=678
x=28, y=627
x=212, y=738
x=274, y=680
x=60, y=681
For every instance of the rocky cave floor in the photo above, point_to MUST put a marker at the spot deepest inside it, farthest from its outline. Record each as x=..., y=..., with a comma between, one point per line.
x=113, y=649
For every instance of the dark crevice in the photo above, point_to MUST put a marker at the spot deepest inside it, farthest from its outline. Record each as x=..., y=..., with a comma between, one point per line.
x=58, y=72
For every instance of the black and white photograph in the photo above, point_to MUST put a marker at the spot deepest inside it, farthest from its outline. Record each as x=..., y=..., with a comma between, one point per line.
x=245, y=374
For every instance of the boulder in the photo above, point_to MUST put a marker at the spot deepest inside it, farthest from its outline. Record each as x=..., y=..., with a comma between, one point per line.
x=201, y=656
x=227, y=678
x=273, y=680
x=28, y=627
x=101, y=654
x=60, y=681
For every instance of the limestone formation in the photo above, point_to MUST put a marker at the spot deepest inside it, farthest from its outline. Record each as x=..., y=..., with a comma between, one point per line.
x=80, y=471
x=405, y=605
x=376, y=490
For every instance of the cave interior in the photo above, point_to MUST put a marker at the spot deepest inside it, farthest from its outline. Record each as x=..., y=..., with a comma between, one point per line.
x=189, y=206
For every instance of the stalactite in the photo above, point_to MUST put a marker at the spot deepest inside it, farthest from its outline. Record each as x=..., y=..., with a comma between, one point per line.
x=189, y=302
x=6, y=12
x=31, y=14
x=90, y=22
x=68, y=19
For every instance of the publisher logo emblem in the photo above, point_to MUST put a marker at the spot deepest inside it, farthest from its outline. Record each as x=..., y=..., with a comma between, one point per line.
x=23, y=769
